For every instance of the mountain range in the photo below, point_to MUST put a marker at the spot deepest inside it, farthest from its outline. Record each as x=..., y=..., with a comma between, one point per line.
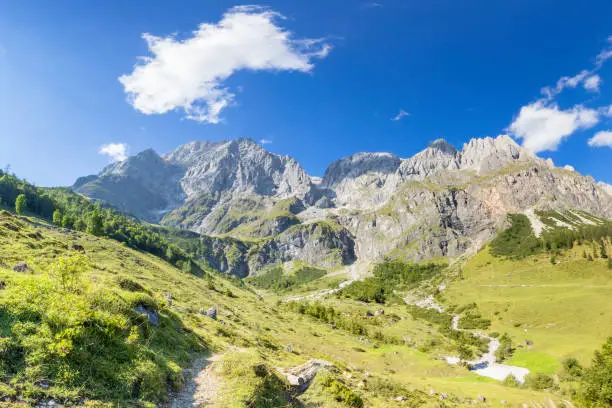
x=254, y=208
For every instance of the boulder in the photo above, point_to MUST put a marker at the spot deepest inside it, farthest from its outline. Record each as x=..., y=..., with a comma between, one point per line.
x=22, y=267
x=152, y=315
x=212, y=313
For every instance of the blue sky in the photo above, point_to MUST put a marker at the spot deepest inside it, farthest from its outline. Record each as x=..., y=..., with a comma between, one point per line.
x=327, y=84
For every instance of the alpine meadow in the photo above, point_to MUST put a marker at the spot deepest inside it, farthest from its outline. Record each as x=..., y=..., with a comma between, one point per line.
x=295, y=205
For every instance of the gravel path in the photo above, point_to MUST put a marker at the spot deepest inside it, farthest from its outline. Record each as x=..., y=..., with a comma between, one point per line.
x=201, y=387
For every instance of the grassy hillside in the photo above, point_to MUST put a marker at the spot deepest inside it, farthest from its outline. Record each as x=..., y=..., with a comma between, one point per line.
x=91, y=339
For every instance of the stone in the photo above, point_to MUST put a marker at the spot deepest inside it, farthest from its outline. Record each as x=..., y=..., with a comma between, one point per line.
x=22, y=267
x=288, y=348
x=379, y=312
x=78, y=248
x=482, y=398
x=444, y=396
x=295, y=380
x=212, y=313
x=369, y=314
x=401, y=398
x=152, y=315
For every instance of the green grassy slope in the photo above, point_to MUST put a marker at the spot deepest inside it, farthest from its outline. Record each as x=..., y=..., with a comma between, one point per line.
x=87, y=341
x=564, y=309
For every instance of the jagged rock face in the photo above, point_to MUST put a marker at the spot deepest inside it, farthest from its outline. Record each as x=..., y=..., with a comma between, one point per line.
x=605, y=187
x=439, y=156
x=318, y=244
x=488, y=154
x=238, y=166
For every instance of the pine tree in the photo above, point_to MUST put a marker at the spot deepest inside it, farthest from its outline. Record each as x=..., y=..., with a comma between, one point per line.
x=21, y=204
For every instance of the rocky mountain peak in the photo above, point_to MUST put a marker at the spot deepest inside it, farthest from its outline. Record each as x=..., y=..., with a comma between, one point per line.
x=358, y=164
x=486, y=154
x=443, y=146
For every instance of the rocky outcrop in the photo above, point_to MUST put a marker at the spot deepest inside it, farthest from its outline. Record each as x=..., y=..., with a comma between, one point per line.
x=319, y=243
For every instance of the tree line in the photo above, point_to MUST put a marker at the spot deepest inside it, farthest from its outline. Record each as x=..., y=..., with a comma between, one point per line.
x=66, y=209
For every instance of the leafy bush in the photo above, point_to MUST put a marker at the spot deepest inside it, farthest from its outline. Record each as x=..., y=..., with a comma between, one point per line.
x=572, y=368
x=539, y=381
x=505, y=349
x=511, y=381
x=341, y=392
x=596, y=384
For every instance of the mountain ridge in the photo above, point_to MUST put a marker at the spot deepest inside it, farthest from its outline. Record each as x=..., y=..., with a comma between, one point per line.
x=441, y=202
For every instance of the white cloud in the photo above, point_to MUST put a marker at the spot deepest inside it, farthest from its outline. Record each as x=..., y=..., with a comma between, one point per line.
x=605, y=54
x=543, y=127
x=601, y=139
x=265, y=141
x=569, y=168
x=565, y=82
x=116, y=151
x=402, y=114
x=189, y=74
x=606, y=111
x=592, y=83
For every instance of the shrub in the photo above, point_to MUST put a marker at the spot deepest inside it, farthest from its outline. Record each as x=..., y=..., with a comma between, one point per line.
x=67, y=270
x=505, y=349
x=596, y=384
x=539, y=381
x=572, y=367
x=341, y=392
x=511, y=381
x=21, y=204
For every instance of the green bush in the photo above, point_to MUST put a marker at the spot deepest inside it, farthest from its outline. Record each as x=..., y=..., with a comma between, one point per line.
x=341, y=392
x=505, y=349
x=572, y=368
x=511, y=381
x=596, y=384
x=539, y=381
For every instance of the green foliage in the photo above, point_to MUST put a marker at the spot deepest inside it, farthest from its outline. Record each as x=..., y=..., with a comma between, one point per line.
x=21, y=204
x=95, y=223
x=341, y=392
x=596, y=385
x=388, y=276
x=471, y=319
x=275, y=279
x=609, y=263
x=518, y=241
x=539, y=381
x=66, y=271
x=511, y=381
x=87, y=341
x=572, y=368
x=57, y=217
x=505, y=349
x=329, y=315
x=444, y=321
